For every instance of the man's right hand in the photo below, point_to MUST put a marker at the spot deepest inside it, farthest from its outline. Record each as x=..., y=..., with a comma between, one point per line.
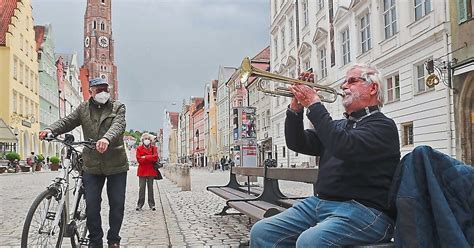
x=44, y=133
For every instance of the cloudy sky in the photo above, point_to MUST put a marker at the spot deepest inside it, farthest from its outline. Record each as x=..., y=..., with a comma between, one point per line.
x=165, y=50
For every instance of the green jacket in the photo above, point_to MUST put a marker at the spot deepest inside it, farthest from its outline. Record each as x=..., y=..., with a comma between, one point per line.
x=99, y=121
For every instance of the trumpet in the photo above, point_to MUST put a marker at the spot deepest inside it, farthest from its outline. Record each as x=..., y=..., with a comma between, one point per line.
x=325, y=93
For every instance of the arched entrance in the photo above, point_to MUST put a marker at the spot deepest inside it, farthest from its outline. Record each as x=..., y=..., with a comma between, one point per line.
x=466, y=114
x=26, y=144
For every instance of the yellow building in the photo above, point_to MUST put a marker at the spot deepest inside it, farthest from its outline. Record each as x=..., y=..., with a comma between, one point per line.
x=19, y=84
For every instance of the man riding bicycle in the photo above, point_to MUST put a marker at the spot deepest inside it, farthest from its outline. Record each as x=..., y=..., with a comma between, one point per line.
x=102, y=119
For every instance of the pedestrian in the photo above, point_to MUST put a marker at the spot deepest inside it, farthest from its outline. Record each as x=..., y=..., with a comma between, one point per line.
x=223, y=160
x=147, y=156
x=30, y=160
x=103, y=120
x=359, y=155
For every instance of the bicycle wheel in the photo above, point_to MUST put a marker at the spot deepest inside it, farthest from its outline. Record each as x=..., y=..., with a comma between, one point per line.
x=38, y=230
x=78, y=224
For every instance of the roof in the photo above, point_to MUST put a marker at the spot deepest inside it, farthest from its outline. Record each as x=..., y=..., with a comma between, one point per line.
x=39, y=36
x=263, y=55
x=8, y=8
x=6, y=134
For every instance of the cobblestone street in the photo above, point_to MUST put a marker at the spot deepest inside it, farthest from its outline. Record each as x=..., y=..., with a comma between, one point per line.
x=182, y=219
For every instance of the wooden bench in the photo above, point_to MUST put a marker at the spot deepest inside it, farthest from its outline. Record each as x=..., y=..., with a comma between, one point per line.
x=233, y=190
x=272, y=201
x=259, y=203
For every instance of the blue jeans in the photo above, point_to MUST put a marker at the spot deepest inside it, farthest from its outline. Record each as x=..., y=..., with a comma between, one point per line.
x=93, y=185
x=319, y=223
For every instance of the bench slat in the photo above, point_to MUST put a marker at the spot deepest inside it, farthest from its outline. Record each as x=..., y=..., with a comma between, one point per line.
x=249, y=171
x=239, y=193
x=229, y=195
x=288, y=203
x=248, y=209
x=306, y=175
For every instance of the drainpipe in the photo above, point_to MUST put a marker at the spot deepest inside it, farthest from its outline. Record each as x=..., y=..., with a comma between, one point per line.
x=449, y=100
x=297, y=22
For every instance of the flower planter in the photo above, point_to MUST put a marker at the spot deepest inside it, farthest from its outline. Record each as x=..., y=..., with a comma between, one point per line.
x=38, y=167
x=54, y=167
x=25, y=168
x=3, y=169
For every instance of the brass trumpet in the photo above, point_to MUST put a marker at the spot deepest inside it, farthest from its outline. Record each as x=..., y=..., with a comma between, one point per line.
x=327, y=94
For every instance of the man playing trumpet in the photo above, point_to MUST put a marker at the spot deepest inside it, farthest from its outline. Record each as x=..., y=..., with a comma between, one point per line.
x=359, y=155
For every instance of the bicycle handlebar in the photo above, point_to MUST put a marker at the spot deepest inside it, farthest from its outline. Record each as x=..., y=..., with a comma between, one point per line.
x=68, y=142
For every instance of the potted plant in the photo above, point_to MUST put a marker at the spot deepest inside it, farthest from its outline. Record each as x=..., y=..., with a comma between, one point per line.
x=14, y=159
x=54, y=163
x=39, y=162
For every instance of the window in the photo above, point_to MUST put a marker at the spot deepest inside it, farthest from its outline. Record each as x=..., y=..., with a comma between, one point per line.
x=420, y=78
x=21, y=105
x=102, y=26
x=390, y=18
x=320, y=4
x=21, y=72
x=275, y=46
x=407, y=134
x=346, y=50
x=305, y=13
x=94, y=25
x=283, y=43
x=464, y=8
x=290, y=26
x=422, y=8
x=306, y=64
x=14, y=103
x=268, y=118
x=15, y=67
x=283, y=151
x=275, y=8
x=322, y=62
x=103, y=1
x=365, y=33
x=393, y=88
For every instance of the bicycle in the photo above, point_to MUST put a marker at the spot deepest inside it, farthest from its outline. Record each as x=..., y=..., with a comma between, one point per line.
x=47, y=221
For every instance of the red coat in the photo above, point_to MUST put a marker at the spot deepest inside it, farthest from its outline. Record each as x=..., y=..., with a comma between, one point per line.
x=145, y=164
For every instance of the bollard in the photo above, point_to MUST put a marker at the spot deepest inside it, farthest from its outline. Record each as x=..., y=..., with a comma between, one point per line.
x=184, y=178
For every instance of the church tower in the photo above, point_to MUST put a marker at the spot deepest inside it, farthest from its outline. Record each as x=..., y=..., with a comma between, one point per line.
x=98, y=46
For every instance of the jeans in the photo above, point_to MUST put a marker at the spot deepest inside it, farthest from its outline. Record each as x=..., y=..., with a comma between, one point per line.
x=144, y=182
x=93, y=185
x=320, y=223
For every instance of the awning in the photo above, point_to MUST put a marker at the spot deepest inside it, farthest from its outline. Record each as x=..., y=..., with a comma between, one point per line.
x=6, y=134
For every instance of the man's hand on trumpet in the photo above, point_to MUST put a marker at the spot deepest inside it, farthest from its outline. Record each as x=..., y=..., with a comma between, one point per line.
x=305, y=96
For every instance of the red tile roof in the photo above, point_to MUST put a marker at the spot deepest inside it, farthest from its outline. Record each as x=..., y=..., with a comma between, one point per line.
x=8, y=8
x=39, y=36
x=263, y=55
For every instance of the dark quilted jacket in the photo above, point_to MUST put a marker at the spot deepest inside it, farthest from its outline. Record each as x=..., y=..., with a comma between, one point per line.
x=99, y=121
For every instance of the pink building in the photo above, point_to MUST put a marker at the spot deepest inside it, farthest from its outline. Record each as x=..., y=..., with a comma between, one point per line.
x=197, y=129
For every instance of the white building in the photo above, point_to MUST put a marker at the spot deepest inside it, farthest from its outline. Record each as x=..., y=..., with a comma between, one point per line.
x=396, y=38
x=223, y=128
x=72, y=88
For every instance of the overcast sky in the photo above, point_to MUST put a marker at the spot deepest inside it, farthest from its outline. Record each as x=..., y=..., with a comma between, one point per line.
x=165, y=50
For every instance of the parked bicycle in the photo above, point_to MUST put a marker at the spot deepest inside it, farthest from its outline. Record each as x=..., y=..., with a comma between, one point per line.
x=48, y=221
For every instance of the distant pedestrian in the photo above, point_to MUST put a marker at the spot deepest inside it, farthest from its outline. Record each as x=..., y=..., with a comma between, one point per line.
x=31, y=161
x=147, y=156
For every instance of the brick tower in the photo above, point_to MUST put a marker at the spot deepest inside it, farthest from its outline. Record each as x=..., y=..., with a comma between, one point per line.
x=98, y=46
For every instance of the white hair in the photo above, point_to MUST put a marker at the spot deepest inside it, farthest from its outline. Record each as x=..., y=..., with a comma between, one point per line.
x=146, y=136
x=372, y=76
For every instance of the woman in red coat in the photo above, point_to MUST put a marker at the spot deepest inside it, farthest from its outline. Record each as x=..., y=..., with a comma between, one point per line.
x=147, y=155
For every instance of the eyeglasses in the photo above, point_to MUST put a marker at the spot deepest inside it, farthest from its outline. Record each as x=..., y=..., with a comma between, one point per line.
x=353, y=80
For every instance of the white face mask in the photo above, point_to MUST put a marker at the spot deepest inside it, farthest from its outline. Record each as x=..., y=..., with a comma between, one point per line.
x=102, y=97
x=146, y=142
